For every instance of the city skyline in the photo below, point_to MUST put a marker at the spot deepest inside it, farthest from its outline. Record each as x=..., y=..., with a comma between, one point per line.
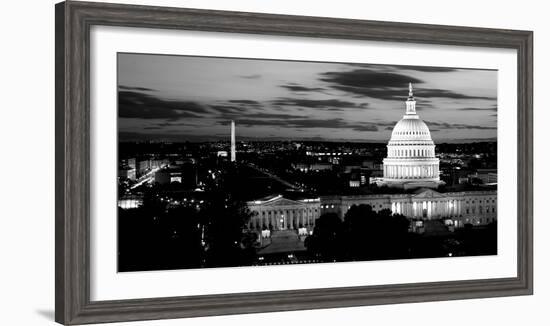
x=185, y=98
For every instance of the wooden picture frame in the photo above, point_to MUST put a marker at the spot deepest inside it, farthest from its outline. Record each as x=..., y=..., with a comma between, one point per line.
x=72, y=189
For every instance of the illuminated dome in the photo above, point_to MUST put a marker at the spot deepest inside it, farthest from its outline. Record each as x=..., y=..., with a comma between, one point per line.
x=411, y=161
x=411, y=127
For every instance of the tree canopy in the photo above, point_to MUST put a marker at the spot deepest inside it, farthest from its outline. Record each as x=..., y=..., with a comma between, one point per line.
x=364, y=234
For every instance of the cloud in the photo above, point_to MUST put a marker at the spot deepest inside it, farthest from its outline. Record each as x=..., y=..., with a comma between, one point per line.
x=365, y=82
x=446, y=125
x=428, y=68
x=366, y=78
x=274, y=116
x=229, y=109
x=433, y=92
x=130, y=88
x=144, y=106
x=365, y=127
x=388, y=85
x=305, y=123
x=166, y=136
x=318, y=104
x=254, y=76
x=492, y=108
x=403, y=67
x=259, y=119
x=245, y=102
x=232, y=108
x=299, y=89
x=173, y=124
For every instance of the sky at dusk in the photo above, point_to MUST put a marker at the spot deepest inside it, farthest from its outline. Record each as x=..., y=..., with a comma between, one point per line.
x=188, y=98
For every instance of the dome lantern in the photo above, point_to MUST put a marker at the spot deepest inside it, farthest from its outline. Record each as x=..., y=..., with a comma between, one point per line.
x=411, y=103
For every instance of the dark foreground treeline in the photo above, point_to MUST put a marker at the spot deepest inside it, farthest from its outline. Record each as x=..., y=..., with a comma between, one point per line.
x=157, y=237
x=365, y=234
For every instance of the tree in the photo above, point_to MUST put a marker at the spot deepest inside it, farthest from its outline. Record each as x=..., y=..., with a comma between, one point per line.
x=326, y=241
x=478, y=240
x=226, y=243
x=363, y=235
x=375, y=235
x=151, y=239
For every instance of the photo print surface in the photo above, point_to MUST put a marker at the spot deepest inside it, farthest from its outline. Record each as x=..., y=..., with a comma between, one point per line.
x=227, y=162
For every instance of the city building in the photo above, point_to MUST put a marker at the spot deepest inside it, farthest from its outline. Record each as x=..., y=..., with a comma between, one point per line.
x=130, y=162
x=277, y=213
x=168, y=175
x=456, y=208
x=130, y=201
x=127, y=172
x=159, y=163
x=143, y=166
x=486, y=176
x=464, y=207
x=314, y=167
x=320, y=167
x=411, y=161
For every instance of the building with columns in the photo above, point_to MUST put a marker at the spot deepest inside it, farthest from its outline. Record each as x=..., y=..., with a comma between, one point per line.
x=463, y=207
x=459, y=208
x=277, y=213
x=411, y=161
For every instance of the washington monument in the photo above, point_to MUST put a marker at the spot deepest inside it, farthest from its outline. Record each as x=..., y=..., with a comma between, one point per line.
x=233, y=153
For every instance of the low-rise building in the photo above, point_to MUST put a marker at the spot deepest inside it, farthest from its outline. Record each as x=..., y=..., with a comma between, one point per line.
x=456, y=208
x=278, y=213
x=127, y=172
x=464, y=207
x=167, y=176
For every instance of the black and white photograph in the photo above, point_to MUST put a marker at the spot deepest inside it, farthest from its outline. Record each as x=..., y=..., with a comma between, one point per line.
x=227, y=162
x=268, y=163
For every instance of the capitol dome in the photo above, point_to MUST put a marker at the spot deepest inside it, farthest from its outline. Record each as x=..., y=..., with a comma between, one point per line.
x=411, y=161
x=411, y=128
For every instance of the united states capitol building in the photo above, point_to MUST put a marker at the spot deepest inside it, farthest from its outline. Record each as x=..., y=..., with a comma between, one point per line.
x=411, y=165
x=411, y=161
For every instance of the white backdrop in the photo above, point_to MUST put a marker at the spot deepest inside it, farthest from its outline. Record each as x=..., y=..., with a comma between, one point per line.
x=27, y=218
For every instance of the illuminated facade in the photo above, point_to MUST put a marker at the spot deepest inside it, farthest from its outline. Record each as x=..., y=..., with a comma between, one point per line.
x=464, y=207
x=411, y=161
x=278, y=213
x=459, y=208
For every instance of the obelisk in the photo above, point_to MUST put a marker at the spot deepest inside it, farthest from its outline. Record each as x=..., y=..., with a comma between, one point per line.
x=233, y=150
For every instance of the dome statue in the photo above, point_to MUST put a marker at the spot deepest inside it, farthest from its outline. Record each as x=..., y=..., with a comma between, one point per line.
x=411, y=161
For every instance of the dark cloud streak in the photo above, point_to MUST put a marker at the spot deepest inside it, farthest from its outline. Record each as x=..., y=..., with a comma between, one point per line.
x=301, y=89
x=305, y=123
x=365, y=78
x=143, y=106
x=142, y=89
x=388, y=85
x=318, y=104
x=493, y=108
x=446, y=125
